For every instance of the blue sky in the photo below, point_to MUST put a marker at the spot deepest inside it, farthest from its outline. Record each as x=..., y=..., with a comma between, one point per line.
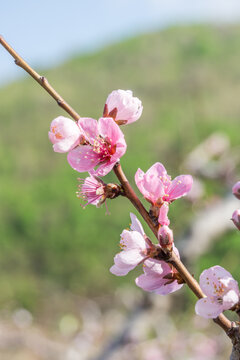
x=47, y=32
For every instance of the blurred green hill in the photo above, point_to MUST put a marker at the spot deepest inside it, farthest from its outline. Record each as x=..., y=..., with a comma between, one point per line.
x=189, y=82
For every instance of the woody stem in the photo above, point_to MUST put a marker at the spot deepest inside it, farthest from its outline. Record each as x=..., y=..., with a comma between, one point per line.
x=40, y=79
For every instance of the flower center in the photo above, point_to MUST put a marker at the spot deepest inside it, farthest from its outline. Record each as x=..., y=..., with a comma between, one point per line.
x=104, y=148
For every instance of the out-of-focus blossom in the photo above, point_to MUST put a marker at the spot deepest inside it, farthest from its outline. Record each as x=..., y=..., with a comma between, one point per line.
x=123, y=107
x=221, y=292
x=158, y=188
x=92, y=190
x=64, y=134
x=106, y=144
x=165, y=237
x=158, y=277
x=135, y=249
x=197, y=191
x=236, y=218
x=236, y=190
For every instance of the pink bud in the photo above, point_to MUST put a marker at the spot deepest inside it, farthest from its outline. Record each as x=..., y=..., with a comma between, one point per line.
x=236, y=190
x=64, y=134
x=123, y=107
x=165, y=237
x=236, y=218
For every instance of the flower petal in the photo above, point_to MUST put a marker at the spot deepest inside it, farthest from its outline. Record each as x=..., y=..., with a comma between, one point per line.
x=90, y=128
x=211, y=280
x=136, y=225
x=82, y=158
x=179, y=187
x=163, y=218
x=207, y=308
x=230, y=299
x=110, y=130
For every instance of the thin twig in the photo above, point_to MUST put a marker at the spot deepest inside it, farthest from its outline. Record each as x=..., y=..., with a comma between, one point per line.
x=40, y=79
x=222, y=321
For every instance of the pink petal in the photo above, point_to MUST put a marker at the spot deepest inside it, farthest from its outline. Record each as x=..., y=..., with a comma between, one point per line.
x=139, y=177
x=154, y=186
x=64, y=134
x=103, y=169
x=229, y=299
x=82, y=158
x=90, y=128
x=136, y=225
x=130, y=257
x=152, y=266
x=110, y=130
x=157, y=170
x=65, y=145
x=207, y=308
x=179, y=187
x=115, y=270
x=132, y=240
x=210, y=279
x=163, y=218
x=168, y=288
x=153, y=278
x=149, y=282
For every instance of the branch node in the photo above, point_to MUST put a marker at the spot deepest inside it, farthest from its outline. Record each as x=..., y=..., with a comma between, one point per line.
x=43, y=80
x=17, y=62
x=60, y=102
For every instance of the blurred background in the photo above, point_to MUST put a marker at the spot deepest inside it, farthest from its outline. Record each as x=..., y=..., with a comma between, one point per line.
x=58, y=299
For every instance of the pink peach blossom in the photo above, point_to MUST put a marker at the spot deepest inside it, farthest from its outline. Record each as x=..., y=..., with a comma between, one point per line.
x=64, y=134
x=158, y=188
x=92, y=190
x=236, y=218
x=135, y=249
x=221, y=292
x=157, y=277
x=236, y=190
x=123, y=107
x=105, y=146
x=156, y=185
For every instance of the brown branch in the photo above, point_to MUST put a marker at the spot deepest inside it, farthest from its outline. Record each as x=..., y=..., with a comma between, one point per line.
x=40, y=79
x=129, y=192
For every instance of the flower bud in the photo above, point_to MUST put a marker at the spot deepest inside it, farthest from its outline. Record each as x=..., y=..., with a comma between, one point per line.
x=64, y=134
x=165, y=237
x=236, y=190
x=236, y=218
x=123, y=107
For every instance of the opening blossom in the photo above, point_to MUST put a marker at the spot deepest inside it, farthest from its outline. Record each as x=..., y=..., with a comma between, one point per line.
x=123, y=107
x=159, y=277
x=64, y=134
x=135, y=249
x=92, y=190
x=221, y=290
x=105, y=145
x=158, y=188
